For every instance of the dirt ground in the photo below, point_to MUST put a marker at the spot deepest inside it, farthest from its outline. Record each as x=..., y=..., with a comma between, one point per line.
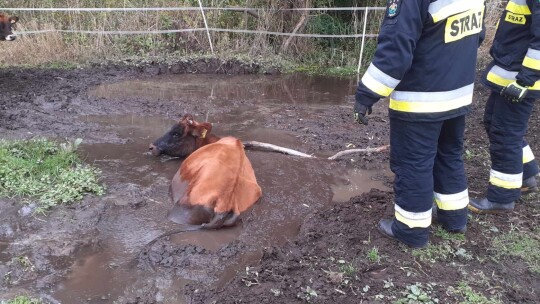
x=298, y=244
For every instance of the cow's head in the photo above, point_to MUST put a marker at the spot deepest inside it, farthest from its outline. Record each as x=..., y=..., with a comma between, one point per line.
x=6, y=23
x=183, y=138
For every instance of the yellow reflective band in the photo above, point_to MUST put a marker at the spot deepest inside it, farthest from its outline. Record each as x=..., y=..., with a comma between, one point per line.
x=462, y=25
x=506, y=181
x=498, y=80
x=531, y=63
x=430, y=106
x=528, y=155
x=516, y=8
x=413, y=219
x=503, y=82
x=450, y=202
x=422, y=223
x=376, y=86
x=504, y=184
x=442, y=9
x=515, y=18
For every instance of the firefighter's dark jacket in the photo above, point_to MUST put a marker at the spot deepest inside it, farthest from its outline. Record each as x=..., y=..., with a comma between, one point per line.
x=425, y=59
x=516, y=48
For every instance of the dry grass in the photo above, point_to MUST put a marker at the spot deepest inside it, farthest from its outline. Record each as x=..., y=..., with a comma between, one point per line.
x=65, y=48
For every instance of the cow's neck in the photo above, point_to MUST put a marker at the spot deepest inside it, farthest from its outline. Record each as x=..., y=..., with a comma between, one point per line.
x=210, y=138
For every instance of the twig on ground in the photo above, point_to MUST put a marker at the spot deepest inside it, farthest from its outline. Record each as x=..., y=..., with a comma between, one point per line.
x=353, y=151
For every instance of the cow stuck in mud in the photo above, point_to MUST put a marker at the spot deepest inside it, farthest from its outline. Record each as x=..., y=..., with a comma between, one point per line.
x=6, y=27
x=215, y=183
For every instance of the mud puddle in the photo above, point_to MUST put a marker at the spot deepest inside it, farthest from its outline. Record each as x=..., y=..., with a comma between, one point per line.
x=138, y=184
x=291, y=89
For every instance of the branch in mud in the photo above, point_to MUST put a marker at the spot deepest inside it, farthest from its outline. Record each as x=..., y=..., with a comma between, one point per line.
x=274, y=148
x=355, y=151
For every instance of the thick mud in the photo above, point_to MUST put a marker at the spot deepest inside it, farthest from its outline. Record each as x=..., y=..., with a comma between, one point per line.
x=310, y=238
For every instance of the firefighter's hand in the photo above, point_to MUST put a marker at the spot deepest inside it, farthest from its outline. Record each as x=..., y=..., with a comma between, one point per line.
x=360, y=113
x=514, y=92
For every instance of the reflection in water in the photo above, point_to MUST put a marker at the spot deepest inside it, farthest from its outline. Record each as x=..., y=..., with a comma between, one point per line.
x=290, y=89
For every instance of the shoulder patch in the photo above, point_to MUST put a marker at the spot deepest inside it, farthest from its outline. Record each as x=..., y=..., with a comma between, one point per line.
x=393, y=8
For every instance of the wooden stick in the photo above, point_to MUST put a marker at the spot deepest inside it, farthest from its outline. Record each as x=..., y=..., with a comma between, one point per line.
x=270, y=147
x=351, y=151
x=274, y=148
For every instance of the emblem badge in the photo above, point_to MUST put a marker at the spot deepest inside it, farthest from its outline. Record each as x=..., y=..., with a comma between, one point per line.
x=393, y=7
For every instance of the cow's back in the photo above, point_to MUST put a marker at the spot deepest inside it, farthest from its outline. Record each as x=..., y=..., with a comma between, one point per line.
x=219, y=176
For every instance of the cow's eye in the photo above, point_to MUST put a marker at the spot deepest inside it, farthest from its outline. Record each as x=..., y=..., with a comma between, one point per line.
x=175, y=135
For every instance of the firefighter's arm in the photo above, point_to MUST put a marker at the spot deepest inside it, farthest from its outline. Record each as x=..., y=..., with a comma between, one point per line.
x=393, y=57
x=530, y=70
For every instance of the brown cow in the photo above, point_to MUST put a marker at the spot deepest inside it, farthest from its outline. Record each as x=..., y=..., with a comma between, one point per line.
x=6, y=23
x=215, y=183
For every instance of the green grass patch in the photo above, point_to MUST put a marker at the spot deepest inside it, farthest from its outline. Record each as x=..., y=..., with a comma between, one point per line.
x=373, y=255
x=448, y=236
x=418, y=293
x=22, y=300
x=522, y=245
x=469, y=296
x=45, y=171
x=433, y=253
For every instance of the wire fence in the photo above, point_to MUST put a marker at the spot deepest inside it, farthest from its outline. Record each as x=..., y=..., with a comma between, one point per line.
x=255, y=28
x=93, y=21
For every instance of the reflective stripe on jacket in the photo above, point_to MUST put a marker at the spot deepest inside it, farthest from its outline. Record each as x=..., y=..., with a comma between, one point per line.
x=425, y=59
x=516, y=48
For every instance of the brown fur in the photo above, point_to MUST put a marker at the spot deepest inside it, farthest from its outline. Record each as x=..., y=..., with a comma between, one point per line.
x=217, y=176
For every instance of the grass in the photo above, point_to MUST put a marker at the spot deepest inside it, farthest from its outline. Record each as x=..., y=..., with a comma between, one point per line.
x=433, y=253
x=328, y=56
x=373, y=255
x=418, y=293
x=447, y=236
x=520, y=244
x=54, y=47
x=47, y=172
x=22, y=300
x=469, y=296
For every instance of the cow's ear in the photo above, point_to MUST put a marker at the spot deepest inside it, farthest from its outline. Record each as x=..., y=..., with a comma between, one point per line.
x=201, y=130
x=13, y=19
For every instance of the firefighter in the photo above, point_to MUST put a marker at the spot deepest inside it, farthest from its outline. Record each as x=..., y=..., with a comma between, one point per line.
x=425, y=62
x=513, y=76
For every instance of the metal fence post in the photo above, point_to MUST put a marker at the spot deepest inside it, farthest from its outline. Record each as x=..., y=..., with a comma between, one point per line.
x=363, y=40
x=206, y=26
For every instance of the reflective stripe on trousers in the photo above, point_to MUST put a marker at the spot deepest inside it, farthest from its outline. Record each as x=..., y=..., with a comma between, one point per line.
x=506, y=125
x=426, y=158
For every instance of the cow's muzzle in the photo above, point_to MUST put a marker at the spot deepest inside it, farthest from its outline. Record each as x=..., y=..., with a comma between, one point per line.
x=11, y=37
x=154, y=150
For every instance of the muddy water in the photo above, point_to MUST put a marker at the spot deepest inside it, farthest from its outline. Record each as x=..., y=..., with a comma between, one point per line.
x=138, y=183
x=289, y=89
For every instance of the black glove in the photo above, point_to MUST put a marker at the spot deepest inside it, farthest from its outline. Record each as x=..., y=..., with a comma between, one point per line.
x=514, y=92
x=360, y=113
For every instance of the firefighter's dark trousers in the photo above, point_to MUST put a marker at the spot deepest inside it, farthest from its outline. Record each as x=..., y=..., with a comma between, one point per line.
x=426, y=158
x=512, y=160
